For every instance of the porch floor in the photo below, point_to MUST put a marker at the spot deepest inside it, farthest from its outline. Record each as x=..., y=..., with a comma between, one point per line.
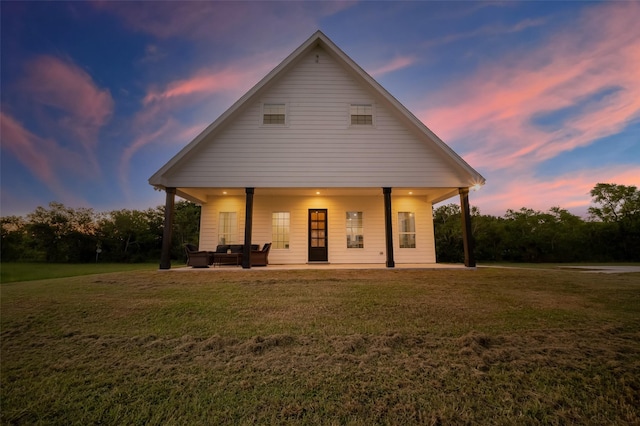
x=329, y=266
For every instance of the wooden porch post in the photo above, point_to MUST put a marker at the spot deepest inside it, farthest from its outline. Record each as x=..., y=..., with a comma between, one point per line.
x=387, y=227
x=467, y=237
x=248, y=226
x=165, y=255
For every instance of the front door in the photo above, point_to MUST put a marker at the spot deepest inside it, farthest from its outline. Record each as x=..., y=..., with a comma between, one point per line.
x=318, y=235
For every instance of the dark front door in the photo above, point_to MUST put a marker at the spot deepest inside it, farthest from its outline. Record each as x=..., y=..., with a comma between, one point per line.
x=318, y=235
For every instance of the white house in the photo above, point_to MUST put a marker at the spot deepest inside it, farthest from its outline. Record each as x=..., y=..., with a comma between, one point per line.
x=321, y=161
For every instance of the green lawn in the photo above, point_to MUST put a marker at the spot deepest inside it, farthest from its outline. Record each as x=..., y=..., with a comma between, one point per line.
x=554, y=265
x=491, y=346
x=30, y=271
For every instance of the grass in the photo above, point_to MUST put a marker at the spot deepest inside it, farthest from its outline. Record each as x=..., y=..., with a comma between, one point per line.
x=30, y=271
x=555, y=265
x=491, y=346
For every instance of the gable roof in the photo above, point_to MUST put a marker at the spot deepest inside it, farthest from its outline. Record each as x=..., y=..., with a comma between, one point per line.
x=318, y=39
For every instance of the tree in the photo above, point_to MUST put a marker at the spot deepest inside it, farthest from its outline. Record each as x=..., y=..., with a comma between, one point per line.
x=618, y=212
x=121, y=234
x=14, y=232
x=186, y=222
x=564, y=233
x=489, y=236
x=61, y=234
x=186, y=227
x=448, y=233
x=616, y=202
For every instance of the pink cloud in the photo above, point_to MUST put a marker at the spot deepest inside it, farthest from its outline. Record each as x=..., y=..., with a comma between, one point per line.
x=64, y=103
x=493, y=30
x=203, y=83
x=158, y=122
x=169, y=128
x=43, y=157
x=54, y=83
x=490, y=114
x=233, y=22
x=27, y=148
x=395, y=65
x=568, y=191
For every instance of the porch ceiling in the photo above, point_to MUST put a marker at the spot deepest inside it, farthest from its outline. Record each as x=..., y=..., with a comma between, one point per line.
x=200, y=195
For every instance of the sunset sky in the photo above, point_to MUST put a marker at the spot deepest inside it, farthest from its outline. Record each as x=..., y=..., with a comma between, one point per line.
x=542, y=98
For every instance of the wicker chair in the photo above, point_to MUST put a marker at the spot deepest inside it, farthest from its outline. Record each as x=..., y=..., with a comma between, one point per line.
x=261, y=257
x=198, y=258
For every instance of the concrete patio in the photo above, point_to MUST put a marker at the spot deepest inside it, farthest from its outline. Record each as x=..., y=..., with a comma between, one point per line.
x=331, y=266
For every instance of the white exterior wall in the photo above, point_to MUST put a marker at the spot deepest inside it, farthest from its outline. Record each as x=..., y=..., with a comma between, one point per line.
x=374, y=250
x=209, y=217
x=317, y=147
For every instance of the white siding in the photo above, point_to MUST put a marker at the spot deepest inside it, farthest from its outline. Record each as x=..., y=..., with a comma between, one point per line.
x=317, y=147
x=425, y=247
x=374, y=233
x=209, y=220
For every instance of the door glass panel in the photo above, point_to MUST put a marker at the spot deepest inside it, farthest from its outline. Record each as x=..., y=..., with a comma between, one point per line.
x=317, y=235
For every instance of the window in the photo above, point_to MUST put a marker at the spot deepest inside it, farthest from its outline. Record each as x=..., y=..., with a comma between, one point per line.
x=227, y=228
x=361, y=114
x=407, y=229
x=273, y=113
x=355, y=237
x=280, y=230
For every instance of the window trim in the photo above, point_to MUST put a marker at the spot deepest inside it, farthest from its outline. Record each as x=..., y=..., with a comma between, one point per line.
x=233, y=233
x=413, y=231
x=349, y=229
x=275, y=241
x=361, y=126
x=270, y=125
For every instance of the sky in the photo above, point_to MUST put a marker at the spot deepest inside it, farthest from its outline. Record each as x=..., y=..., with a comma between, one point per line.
x=541, y=98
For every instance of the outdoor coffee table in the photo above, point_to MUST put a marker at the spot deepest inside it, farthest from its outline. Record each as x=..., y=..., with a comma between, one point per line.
x=226, y=259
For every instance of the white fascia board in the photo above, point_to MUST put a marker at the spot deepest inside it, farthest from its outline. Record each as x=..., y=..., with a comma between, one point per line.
x=156, y=179
x=446, y=196
x=318, y=38
x=475, y=177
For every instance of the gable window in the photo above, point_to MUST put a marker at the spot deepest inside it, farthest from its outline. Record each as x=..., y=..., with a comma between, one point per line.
x=227, y=228
x=355, y=238
x=407, y=229
x=273, y=113
x=280, y=222
x=361, y=114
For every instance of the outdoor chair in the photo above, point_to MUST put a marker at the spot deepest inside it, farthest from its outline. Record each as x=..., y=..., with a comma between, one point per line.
x=261, y=257
x=198, y=258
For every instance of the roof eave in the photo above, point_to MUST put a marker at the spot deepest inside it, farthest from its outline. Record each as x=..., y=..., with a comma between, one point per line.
x=156, y=178
x=318, y=38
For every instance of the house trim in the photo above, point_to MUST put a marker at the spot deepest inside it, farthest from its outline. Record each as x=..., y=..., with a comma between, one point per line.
x=318, y=39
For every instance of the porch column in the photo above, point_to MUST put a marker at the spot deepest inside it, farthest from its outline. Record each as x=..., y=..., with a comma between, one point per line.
x=387, y=227
x=248, y=226
x=165, y=255
x=467, y=237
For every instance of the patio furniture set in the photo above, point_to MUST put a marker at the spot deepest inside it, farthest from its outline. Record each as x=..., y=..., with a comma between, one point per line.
x=226, y=255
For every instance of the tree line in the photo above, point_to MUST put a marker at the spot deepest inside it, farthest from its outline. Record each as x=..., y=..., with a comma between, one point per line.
x=611, y=233
x=63, y=234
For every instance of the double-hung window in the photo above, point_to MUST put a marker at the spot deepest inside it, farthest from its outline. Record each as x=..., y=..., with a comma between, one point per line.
x=274, y=113
x=407, y=229
x=280, y=222
x=361, y=114
x=227, y=228
x=355, y=238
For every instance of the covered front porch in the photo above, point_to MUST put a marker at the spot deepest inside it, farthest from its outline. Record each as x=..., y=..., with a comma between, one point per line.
x=337, y=267
x=385, y=246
